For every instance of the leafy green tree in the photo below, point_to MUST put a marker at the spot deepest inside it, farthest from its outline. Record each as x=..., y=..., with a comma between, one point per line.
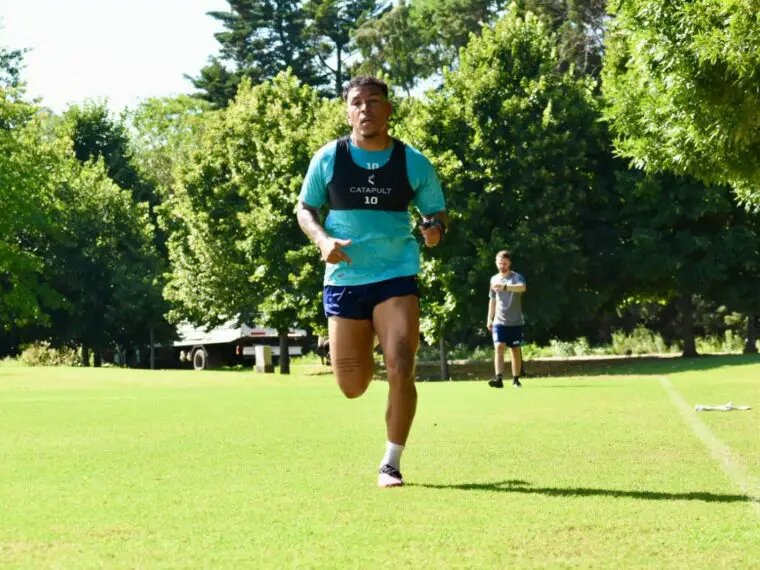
x=27, y=165
x=261, y=39
x=521, y=153
x=81, y=269
x=164, y=132
x=235, y=248
x=740, y=268
x=101, y=259
x=97, y=245
x=95, y=135
x=683, y=240
x=681, y=78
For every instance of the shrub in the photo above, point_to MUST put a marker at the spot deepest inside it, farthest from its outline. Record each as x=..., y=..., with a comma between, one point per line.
x=42, y=354
x=730, y=343
x=640, y=341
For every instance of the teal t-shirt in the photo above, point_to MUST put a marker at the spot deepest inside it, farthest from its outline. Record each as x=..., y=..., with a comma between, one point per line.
x=383, y=246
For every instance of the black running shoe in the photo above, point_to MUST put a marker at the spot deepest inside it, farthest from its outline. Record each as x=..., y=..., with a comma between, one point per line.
x=390, y=477
x=516, y=383
x=496, y=383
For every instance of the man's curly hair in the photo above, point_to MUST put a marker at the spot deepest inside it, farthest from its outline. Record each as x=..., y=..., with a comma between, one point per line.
x=365, y=81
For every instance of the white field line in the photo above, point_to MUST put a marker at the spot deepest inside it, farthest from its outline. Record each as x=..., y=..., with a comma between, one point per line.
x=733, y=467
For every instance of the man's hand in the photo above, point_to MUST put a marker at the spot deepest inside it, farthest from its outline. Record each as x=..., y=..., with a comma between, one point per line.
x=332, y=250
x=432, y=233
x=489, y=326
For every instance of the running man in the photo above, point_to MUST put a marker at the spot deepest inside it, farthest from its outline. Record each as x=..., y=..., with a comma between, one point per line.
x=505, y=318
x=368, y=180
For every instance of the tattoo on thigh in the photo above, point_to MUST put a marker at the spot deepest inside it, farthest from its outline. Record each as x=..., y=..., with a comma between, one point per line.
x=347, y=364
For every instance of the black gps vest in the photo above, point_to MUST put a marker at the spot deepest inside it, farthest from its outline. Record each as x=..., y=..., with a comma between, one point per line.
x=355, y=188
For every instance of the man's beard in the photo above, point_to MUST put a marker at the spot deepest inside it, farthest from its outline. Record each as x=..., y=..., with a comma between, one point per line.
x=371, y=135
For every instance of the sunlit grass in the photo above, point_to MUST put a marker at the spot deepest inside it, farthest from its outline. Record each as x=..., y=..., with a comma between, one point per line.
x=114, y=468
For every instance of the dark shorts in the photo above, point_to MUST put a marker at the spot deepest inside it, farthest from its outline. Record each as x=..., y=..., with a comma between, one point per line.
x=511, y=336
x=359, y=301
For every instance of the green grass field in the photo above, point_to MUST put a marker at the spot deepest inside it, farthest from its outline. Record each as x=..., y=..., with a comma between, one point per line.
x=118, y=468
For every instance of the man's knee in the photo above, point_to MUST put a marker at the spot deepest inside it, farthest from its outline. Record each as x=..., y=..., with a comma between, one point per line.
x=354, y=384
x=352, y=391
x=399, y=362
x=401, y=370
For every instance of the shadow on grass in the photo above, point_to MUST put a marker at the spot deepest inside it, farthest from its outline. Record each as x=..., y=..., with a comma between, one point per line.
x=593, y=366
x=517, y=486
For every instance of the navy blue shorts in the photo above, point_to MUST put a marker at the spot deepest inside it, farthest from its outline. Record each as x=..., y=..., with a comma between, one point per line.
x=511, y=336
x=359, y=301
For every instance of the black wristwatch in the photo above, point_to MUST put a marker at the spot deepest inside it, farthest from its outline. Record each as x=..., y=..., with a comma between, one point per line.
x=435, y=223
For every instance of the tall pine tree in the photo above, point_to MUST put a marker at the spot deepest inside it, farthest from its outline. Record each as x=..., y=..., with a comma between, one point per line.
x=260, y=39
x=331, y=26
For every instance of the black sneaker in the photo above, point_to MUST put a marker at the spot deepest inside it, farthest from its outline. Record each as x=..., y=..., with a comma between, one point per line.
x=390, y=477
x=516, y=383
x=496, y=383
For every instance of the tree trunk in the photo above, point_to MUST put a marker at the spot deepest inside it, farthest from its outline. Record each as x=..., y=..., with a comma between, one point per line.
x=152, y=351
x=751, y=346
x=120, y=356
x=97, y=358
x=687, y=326
x=338, y=73
x=444, y=358
x=85, y=355
x=284, y=353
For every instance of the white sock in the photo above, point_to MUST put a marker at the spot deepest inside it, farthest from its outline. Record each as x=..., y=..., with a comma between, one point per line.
x=392, y=455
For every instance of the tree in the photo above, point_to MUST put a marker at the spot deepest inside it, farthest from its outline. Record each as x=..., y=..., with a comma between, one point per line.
x=331, y=23
x=164, y=133
x=521, y=153
x=453, y=22
x=216, y=84
x=740, y=270
x=235, y=248
x=95, y=135
x=396, y=44
x=261, y=39
x=415, y=40
x=101, y=259
x=11, y=63
x=99, y=254
x=27, y=165
x=10, y=67
x=579, y=26
x=681, y=78
x=683, y=240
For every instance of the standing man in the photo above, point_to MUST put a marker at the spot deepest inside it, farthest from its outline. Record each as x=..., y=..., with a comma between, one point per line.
x=368, y=180
x=505, y=318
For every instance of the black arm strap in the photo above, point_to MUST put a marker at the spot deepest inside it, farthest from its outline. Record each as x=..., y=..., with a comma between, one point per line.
x=435, y=223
